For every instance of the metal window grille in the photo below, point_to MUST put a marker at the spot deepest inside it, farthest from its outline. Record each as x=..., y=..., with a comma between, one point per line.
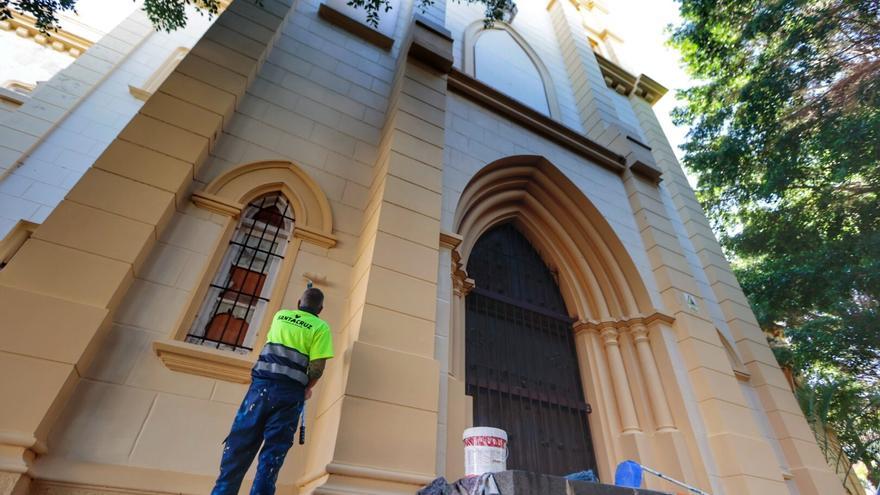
x=236, y=299
x=521, y=364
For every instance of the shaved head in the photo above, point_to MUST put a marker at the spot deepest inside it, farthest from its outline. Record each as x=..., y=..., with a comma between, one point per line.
x=312, y=300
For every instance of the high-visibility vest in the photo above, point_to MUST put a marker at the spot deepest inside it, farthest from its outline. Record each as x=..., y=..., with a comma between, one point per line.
x=295, y=338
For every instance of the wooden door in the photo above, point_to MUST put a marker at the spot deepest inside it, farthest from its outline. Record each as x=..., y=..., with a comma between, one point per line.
x=521, y=364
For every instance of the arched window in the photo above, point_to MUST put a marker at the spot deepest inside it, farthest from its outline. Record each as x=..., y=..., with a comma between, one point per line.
x=502, y=62
x=236, y=300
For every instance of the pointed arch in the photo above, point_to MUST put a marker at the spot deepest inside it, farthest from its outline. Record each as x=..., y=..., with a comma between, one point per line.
x=598, y=279
x=477, y=29
x=234, y=188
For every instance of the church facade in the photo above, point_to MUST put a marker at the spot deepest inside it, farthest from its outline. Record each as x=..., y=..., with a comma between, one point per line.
x=500, y=226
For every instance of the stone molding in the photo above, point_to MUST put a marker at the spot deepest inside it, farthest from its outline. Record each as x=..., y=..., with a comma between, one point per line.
x=10, y=96
x=431, y=45
x=535, y=121
x=530, y=190
x=616, y=77
x=312, y=236
x=217, y=204
x=449, y=240
x=344, y=469
x=12, y=242
x=462, y=285
x=44, y=487
x=17, y=439
x=627, y=323
x=625, y=83
x=359, y=29
x=204, y=361
x=146, y=90
x=59, y=40
x=649, y=89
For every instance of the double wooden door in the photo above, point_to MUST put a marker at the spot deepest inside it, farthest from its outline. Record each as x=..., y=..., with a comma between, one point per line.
x=521, y=364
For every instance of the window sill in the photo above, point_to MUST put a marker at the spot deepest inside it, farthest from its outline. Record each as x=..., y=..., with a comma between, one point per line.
x=354, y=27
x=203, y=361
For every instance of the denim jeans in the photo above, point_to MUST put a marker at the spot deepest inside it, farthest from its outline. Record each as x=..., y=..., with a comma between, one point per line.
x=268, y=416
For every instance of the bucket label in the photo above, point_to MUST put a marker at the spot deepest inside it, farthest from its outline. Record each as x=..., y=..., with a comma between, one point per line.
x=484, y=441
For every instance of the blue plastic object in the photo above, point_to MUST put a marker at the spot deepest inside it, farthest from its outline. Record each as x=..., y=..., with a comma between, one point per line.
x=587, y=475
x=628, y=474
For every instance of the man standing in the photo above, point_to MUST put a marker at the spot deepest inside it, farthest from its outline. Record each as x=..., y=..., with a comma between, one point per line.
x=297, y=347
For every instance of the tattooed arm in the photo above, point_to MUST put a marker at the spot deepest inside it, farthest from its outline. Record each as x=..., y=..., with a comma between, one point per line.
x=314, y=372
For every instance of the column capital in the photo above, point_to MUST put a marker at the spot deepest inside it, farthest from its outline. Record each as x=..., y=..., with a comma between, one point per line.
x=609, y=335
x=461, y=283
x=639, y=332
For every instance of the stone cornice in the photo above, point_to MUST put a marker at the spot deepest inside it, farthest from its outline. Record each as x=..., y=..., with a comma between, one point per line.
x=59, y=40
x=431, y=44
x=313, y=236
x=534, y=120
x=616, y=77
x=649, y=89
x=354, y=27
x=622, y=81
x=621, y=324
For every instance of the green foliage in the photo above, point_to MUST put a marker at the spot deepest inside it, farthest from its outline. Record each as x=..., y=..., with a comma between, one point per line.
x=785, y=140
x=496, y=10
x=44, y=11
x=169, y=15
x=166, y=15
x=848, y=408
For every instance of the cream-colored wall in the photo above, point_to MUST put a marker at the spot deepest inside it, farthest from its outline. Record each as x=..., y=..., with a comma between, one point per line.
x=318, y=102
x=33, y=188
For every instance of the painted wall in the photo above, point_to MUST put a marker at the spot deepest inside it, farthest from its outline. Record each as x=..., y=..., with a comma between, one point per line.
x=40, y=182
x=318, y=101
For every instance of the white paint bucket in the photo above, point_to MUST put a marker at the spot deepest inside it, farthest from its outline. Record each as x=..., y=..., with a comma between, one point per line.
x=485, y=450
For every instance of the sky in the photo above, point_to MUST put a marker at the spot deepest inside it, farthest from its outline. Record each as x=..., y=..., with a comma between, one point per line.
x=642, y=25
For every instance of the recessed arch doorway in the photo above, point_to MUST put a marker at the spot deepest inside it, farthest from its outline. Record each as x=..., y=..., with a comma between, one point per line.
x=521, y=363
x=598, y=297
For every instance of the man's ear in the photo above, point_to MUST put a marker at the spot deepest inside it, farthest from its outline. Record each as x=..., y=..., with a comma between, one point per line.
x=298, y=303
x=320, y=309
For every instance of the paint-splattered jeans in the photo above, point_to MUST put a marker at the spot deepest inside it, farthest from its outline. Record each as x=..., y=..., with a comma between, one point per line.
x=268, y=416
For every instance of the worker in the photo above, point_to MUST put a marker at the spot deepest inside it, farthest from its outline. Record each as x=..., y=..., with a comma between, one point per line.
x=292, y=361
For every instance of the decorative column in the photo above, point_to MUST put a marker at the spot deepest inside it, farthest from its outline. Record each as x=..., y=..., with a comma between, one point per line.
x=662, y=415
x=461, y=287
x=458, y=407
x=622, y=392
